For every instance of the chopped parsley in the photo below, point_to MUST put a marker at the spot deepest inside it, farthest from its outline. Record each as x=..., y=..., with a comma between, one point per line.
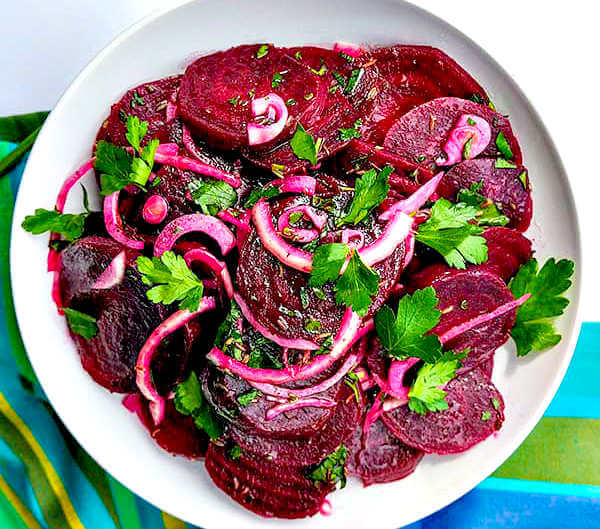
x=489, y=214
x=486, y=415
x=212, y=195
x=523, y=179
x=353, y=80
x=290, y=102
x=81, y=324
x=235, y=452
x=450, y=232
x=304, y=145
x=501, y=163
x=278, y=169
x=234, y=101
x=534, y=329
x=260, y=192
x=467, y=149
x=369, y=191
x=331, y=470
x=70, y=226
x=312, y=325
x=245, y=399
x=405, y=334
x=350, y=133
x=298, y=55
x=277, y=79
x=189, y=400
x=309, y=96
x=173, y=280
x=262, y=51
x=503, y=146
x=228, y=333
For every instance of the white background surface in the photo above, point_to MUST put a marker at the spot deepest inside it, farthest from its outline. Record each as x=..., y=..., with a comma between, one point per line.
x=550, y=48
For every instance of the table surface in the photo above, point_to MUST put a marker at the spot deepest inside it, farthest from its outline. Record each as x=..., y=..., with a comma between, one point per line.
x=550, y=51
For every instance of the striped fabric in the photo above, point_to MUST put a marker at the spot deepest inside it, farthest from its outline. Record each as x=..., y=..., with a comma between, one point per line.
x=48, y=481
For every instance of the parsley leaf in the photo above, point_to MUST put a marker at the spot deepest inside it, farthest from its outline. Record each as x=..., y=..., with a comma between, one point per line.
x=357, y=285
x=426, y=393
x=503, y=146
x=501, y=163
x=212, y=195
x=245, y=399
x=260, y=192
x=81, y=324
x=66, y=224
x=189, y=400
x=235, y=452
x=350, y=133
x=174, y=279
x=331, y=470
x=533, y=329
x=117, y=167
x=113, y=164
x=489, y=214
x=262, y=51
x=450, y=232
x=304, y=145
x=328, y=260
x=277, y=79
x=370, y=190
x=405, y=334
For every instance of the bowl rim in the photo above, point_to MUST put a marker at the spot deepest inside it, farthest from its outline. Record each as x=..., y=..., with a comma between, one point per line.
x=419, y=512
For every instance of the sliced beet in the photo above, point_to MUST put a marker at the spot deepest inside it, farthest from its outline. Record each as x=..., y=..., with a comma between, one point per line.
x=416, y=75
x=125, y=318
x=464, y=295
x=308, y=450
x=227, y=389
x=508, y=250
x=475, y=411
x=177, y=433
x=502, y=185
x=148, y=102
x=421, y=133
x=273, y=292
x=210, y=86
x=261, y=493
x=381, y=457
x=341, y=110
x=362, y=156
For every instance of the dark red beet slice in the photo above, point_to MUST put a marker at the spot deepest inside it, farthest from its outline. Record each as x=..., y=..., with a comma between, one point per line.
x=125, y=318
x=341, y=110
x=475, y=411
x=260, y=493
x=211, y=83
x=464, y=295
x=502, y=185
x=148, y=102
x=380, y=458
x=226, y=389
x=362, y=156
x=177, y=433
x=423, y=132
x=309, y=450
x=416, y=75
x=273, y=291
x=508, y=250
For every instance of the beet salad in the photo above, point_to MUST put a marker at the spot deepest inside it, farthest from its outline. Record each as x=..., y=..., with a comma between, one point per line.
x=305, y=262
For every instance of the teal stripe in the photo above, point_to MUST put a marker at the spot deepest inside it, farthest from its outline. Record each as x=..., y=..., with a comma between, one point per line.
x=527, y=486
x=579, y=393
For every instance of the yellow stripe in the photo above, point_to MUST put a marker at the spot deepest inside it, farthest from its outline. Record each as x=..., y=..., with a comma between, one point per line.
x=53, y=478
x=171, y=522
x=18, y=505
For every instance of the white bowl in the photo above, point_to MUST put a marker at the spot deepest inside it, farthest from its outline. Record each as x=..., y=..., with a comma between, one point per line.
x=161, y=45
